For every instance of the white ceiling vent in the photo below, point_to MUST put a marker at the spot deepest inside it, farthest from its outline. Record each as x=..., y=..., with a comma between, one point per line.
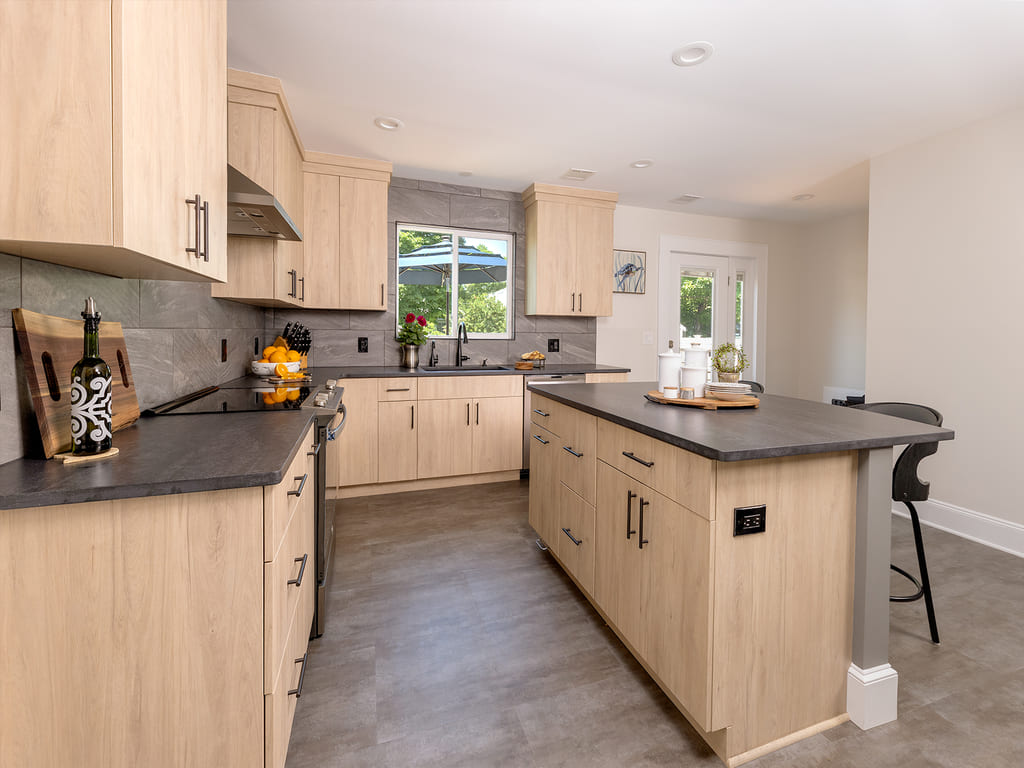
x=686, y=199
x=578, y=174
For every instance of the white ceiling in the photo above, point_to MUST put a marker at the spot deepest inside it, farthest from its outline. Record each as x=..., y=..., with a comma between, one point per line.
x=796, y=97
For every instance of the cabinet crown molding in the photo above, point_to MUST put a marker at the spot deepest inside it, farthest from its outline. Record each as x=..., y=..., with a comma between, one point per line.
x=573, y=195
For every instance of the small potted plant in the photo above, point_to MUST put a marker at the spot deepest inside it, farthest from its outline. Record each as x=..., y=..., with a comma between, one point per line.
x=728, y=361
x=412, y=335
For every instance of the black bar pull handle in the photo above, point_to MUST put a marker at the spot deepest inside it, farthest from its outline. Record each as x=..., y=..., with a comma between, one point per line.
x=382, y=294
x=398, y=389
x=540, y=439
x=412, y=417
x=297, y=692
x=467, y=414
x=629, y=513
x=295, y=276
x=643, y=541
x=540, y=412
x=302, y=484
x=581, y=301
x=297, y=581
x=629, y=455
x=206, y=229
x=572, y=538
x=478, y=413
x=570, y=450
x=315, y=449
x=194, y=201
x=303, y=281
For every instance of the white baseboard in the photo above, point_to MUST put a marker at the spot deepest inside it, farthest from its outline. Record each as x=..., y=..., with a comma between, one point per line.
x=871, y=695
x=975, y=526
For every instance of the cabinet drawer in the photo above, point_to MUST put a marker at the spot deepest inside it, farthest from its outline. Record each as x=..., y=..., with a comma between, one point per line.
x=280, y=501
x=448, y=387
x=574, y=537
x=403, y=388
x=677, y=473
x=549, y=414
x=279, y=705
x=287, y=583
x=577, y=454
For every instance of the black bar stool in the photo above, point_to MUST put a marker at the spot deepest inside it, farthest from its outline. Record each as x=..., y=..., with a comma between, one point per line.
x=908, y=488
x=754, y=386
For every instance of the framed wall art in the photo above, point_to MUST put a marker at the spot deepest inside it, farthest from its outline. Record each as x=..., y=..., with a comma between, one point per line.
x=630, y=271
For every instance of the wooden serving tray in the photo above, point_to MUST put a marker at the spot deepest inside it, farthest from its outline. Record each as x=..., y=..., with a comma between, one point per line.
x=707, y=403
x=50, y=347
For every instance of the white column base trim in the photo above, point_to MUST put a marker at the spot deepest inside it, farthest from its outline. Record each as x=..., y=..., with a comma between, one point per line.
x=871, y=695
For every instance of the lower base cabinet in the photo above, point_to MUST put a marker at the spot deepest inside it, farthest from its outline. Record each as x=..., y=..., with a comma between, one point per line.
x=140, y=632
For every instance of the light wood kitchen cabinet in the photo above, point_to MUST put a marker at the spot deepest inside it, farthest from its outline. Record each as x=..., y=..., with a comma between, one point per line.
x=356, y=446
x=157, y=631
x=577, y=459
x=569, y=234
x=345, y=226
x=102, y=168
x=445, y=438
x=397, y=445
x=264, y=146
x=574, y=537
x=544, y=486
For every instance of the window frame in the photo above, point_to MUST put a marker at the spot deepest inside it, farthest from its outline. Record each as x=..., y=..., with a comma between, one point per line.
x=456, y=233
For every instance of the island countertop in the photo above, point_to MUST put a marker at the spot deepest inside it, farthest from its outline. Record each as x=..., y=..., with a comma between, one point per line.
x=780, y=426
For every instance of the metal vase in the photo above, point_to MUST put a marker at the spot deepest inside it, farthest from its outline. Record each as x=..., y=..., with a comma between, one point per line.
x=410, y=356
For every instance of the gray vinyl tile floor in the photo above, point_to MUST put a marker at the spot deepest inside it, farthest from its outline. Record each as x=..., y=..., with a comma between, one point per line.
x=453, y=641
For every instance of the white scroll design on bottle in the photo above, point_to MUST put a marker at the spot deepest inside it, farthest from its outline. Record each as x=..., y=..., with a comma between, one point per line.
x=91, y=407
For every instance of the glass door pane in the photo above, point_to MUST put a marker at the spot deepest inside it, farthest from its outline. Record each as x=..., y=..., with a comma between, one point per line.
x=696, y=309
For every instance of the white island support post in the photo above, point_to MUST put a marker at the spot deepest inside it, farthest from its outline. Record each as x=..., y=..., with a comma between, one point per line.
x=872, y=682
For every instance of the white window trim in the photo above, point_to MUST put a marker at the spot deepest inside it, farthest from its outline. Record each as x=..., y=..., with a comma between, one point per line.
x=677, y=250
x=479, y=234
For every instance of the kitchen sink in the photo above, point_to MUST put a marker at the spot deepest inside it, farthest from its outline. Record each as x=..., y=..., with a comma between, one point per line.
x=456, y=368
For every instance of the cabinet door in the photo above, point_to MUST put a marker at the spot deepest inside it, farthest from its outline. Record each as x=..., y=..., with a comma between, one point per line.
x=320, y=240
x=396, y=450
x=574, y=530
x=617, y=566
x=497, y=434
x=556, y=258
x=594, y=261
x=289, y=274
x=676, y=600
x=445, y=438
x=355, y=449
x=544, y=485
x=363, y=245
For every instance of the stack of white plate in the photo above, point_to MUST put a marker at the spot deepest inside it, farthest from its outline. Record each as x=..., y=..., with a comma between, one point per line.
x=727, y=390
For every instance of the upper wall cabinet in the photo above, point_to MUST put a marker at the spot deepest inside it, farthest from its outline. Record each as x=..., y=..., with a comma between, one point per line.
x=568, y=250
x=112, y=151
x=264, y=146
x=345, y=231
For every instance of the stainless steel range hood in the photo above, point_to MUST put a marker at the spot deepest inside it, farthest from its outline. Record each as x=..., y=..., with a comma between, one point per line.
x=254, y=212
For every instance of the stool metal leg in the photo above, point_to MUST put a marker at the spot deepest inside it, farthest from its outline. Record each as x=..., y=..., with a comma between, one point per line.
x=924, y=585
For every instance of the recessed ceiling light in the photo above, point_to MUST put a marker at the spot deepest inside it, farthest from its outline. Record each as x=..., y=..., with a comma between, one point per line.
x=686, y=199
x=804, y=196
x=387, y=123
x=578, y=174
x=642, y=164
x=692, y=54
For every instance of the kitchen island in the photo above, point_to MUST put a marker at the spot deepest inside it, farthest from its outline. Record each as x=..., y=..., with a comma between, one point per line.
x=741, y=555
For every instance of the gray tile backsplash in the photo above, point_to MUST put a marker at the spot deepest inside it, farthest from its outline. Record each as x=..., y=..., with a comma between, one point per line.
x=173, y=330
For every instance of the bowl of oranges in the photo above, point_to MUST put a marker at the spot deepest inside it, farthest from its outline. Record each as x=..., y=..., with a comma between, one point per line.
x=277, y=361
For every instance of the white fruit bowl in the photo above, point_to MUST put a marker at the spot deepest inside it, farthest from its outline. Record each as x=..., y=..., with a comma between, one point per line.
x=267, y=369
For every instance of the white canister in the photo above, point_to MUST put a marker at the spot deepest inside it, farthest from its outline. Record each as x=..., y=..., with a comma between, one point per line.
x=696, y=356
x=668, y=368
x=695, y=378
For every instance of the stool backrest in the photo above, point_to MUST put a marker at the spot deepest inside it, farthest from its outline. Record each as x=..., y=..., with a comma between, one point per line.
x=754, y=386
x=906, y=485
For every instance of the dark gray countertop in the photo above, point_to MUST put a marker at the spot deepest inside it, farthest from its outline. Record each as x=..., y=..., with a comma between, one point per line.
x=170, y=454
x=781, y=426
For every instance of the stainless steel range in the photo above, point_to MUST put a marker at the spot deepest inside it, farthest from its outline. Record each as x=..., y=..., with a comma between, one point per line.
x=329, y=413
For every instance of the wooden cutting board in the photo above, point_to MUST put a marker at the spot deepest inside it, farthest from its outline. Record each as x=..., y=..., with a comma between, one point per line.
x=707, y=403
x=50, y=347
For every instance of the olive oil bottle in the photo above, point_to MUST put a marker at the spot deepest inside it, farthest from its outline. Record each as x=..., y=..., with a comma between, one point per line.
x=90, y=392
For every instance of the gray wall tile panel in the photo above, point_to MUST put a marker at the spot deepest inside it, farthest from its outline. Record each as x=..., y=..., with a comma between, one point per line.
x=10, y=288
x=341, y=348
x=398, y=181
x=171, y=304
x=479, y=213
x=450, y=189
x=415, y=206
x=500, y=194
x=314, y=319
x=151, y=356
x=17, y=419
x=62, y=291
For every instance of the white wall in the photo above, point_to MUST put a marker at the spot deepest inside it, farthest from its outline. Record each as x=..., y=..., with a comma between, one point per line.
x=620, y=337
x=833, y=258
x=944, y=318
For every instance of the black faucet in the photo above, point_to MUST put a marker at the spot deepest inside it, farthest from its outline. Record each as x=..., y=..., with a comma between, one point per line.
x=432, y=360
x=461, y=338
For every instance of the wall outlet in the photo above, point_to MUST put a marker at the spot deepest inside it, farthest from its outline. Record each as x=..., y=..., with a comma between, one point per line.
x=552, y=345
x=223, y=350
x=748, y=520
x=648, y=338
x=364, y=344
x=256, y=348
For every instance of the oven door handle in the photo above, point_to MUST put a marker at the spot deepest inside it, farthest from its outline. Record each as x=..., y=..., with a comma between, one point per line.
x=334, y=428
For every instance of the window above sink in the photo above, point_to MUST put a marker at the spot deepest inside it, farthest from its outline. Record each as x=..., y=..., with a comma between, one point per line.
x=451, y=275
